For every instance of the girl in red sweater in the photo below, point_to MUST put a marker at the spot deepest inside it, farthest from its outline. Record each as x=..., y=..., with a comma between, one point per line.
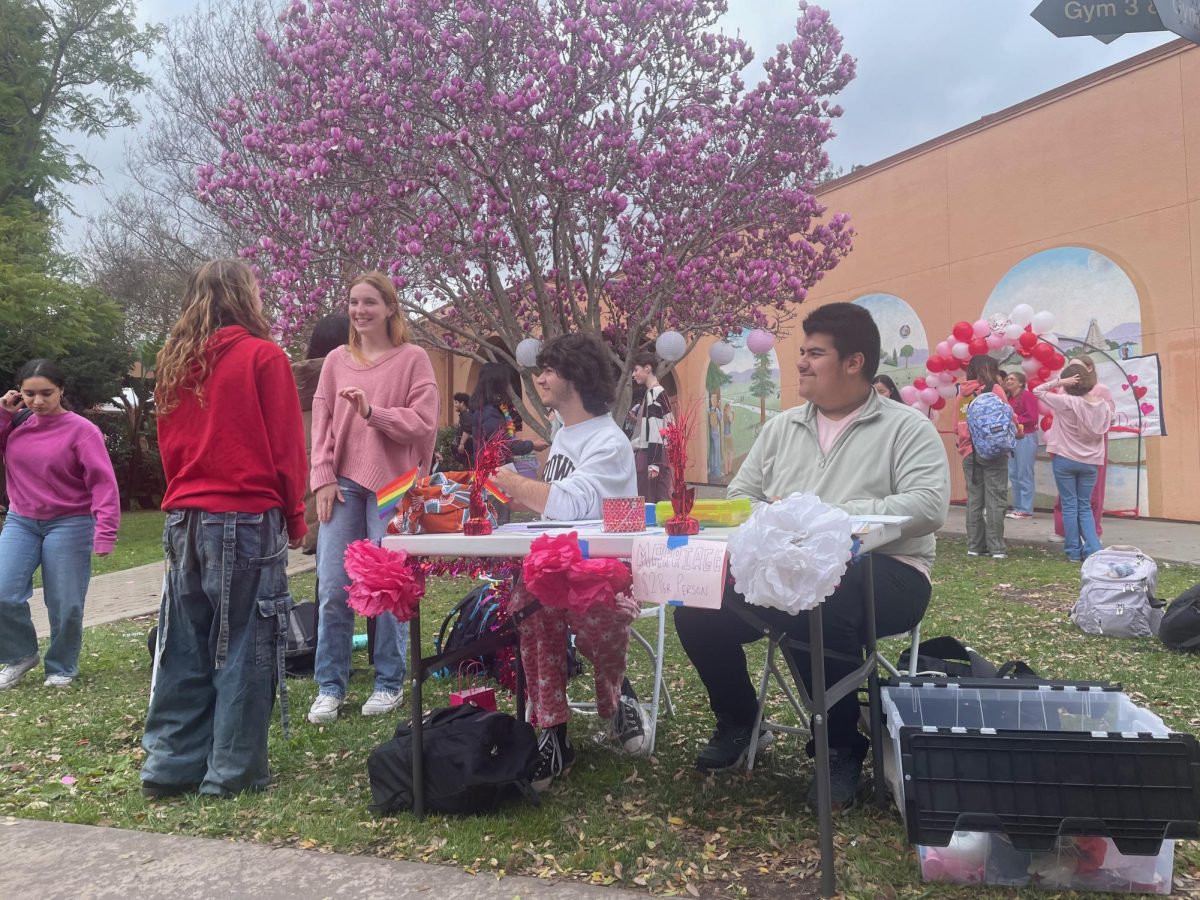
x=232, y=443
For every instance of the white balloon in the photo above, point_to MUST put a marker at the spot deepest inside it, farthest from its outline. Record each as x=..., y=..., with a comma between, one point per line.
x=1042, y=322
x=1050, y=338
x=1022, y=314
x=670, y=346
x=961, y=351
x=947, y=391
x=527, y=352
x=1013, y=333
x=721, y=353
x=1030, y=366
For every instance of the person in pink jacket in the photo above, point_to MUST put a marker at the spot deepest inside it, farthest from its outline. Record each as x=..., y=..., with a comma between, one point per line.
x=63, y=506
x=1076, y=441
x=1101, y=391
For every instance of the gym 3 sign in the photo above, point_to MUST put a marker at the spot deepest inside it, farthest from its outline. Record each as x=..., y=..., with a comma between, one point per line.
x=1107, y=21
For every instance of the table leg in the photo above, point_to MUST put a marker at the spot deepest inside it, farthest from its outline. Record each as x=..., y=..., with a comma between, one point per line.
x=821, y=740
x=519, y=675
x=416, y=678
x=874, y=704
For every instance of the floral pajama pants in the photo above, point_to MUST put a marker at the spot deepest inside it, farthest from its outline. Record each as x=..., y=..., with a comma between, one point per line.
x=601, y=634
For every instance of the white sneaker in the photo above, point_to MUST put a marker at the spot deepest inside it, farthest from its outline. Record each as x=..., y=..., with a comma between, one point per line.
x=324, y=709
x=58, y=681
x=12, y=673
x=382, y=702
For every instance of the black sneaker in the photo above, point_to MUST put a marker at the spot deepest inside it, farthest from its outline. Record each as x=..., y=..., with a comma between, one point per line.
x=845, y=773
x=726, y=749
x=555, y=757
x=627, y=727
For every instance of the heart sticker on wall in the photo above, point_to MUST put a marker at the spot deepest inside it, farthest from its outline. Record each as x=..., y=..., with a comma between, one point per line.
x=1133, y=379
x=1147, y=408
x=1140, y=392
x=1124, y=387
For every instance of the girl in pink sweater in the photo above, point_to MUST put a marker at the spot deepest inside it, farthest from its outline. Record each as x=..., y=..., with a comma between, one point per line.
x=374, y=417
x=63, y=505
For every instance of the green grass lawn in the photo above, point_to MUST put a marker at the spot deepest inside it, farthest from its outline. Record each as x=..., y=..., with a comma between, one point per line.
x=640, y=823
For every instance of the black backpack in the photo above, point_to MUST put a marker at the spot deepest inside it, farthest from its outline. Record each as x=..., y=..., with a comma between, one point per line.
x=475, y=761
x=951, y=657
x=474, y=617
x=1180, y=626
x=300, y=654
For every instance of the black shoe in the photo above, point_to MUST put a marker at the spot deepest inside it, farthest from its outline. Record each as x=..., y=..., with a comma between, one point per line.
x=556, y=756
x=845, y=773
x=726, y=749
x=152, y=790
x=627, y=727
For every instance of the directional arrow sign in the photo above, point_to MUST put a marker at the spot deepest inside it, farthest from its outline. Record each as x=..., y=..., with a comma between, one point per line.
x=1182, y=17
x=1077, y=18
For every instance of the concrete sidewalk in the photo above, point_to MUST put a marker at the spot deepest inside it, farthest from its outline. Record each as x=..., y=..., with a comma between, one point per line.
x=133, y=592
x=52, y=860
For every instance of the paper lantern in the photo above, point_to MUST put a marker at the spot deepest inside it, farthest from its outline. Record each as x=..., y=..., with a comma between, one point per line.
x=760, y=341
x=721, y=353
x=670, y=346
x=527, y=352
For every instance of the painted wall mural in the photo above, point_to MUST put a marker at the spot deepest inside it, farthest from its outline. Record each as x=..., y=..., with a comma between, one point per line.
x=1097, y=312
x=903, y=345
x=741, y=396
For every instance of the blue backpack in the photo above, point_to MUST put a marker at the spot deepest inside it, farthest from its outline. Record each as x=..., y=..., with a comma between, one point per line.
x=992, y=427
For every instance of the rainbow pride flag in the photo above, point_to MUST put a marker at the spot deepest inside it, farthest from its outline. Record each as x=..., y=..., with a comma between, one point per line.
x=500, y=496
x=388, y=497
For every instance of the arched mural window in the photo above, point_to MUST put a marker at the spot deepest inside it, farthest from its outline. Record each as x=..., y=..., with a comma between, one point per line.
x=903, y=345
x=1097, y=312
x=740, y=397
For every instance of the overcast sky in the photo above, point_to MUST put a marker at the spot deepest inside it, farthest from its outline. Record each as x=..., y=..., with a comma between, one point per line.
x=925, y=67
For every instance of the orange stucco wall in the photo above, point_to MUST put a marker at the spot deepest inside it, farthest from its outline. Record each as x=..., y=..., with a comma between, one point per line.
x=1111, y=164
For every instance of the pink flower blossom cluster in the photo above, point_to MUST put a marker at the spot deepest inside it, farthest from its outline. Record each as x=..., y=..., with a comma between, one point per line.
x=536, y=166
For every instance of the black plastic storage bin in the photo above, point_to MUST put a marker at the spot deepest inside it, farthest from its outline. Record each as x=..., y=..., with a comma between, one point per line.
x=1036, y=760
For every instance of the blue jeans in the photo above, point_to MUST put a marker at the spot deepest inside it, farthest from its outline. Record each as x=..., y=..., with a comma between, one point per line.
x=224, y=607
x=63, y=548
x=354, y=520
x=1075, y=481
x=1020, y=473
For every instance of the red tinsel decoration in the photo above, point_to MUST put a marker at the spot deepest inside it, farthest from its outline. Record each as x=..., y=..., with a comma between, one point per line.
x=675, y=440
x=489, y=457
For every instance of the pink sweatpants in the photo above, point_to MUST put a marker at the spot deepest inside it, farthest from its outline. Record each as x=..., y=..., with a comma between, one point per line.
x=601, y=634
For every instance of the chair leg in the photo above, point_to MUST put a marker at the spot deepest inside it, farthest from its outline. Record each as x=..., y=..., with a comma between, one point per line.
x=912, y=654
x=762, y=704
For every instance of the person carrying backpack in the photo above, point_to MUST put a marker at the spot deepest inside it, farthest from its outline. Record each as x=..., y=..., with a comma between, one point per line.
x=986, y=437
x=1081, y=419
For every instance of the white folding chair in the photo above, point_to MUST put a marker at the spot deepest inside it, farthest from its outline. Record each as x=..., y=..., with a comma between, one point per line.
x=660, y=697
x=800, y=704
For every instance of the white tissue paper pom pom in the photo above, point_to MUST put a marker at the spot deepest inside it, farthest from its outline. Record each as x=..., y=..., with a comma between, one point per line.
x=790, y=554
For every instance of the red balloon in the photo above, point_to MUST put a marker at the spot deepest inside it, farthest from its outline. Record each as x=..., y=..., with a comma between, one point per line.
x=1033, y=382
x=1058, y=362
x=1022, y=352
x=1044, y=373
x=935, y=364
x=1047, y=421
x=940, y=403
x=964, y=331
x=1027, y=341
x=978, y=346
x=1044, y=353
x=919, y=383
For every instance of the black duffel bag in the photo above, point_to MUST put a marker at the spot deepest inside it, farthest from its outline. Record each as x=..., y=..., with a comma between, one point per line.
x=475, y=761
x=952, y=658
x=1180, y=627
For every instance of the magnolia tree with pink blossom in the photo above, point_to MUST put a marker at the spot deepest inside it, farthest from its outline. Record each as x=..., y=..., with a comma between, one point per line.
x=536, y=167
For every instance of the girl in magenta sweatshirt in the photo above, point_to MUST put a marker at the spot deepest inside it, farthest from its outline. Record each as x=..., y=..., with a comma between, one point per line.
x=63, y=504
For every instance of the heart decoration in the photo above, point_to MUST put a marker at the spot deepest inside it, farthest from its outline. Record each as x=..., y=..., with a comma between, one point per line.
x=1133, y=379
x=1140, y=392
x=1147, y=408
x=1124, y=387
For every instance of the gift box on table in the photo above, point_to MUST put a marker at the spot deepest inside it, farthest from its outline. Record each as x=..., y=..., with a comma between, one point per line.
x=624, y=514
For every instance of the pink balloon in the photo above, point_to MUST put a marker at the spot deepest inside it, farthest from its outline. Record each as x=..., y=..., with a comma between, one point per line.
x=943, y=348
x=995, y=341
x=982, y=328
x=908, y=394
x=929, y=396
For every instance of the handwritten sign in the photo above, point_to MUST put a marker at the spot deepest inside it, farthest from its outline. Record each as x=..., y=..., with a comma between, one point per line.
x=678, y=571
